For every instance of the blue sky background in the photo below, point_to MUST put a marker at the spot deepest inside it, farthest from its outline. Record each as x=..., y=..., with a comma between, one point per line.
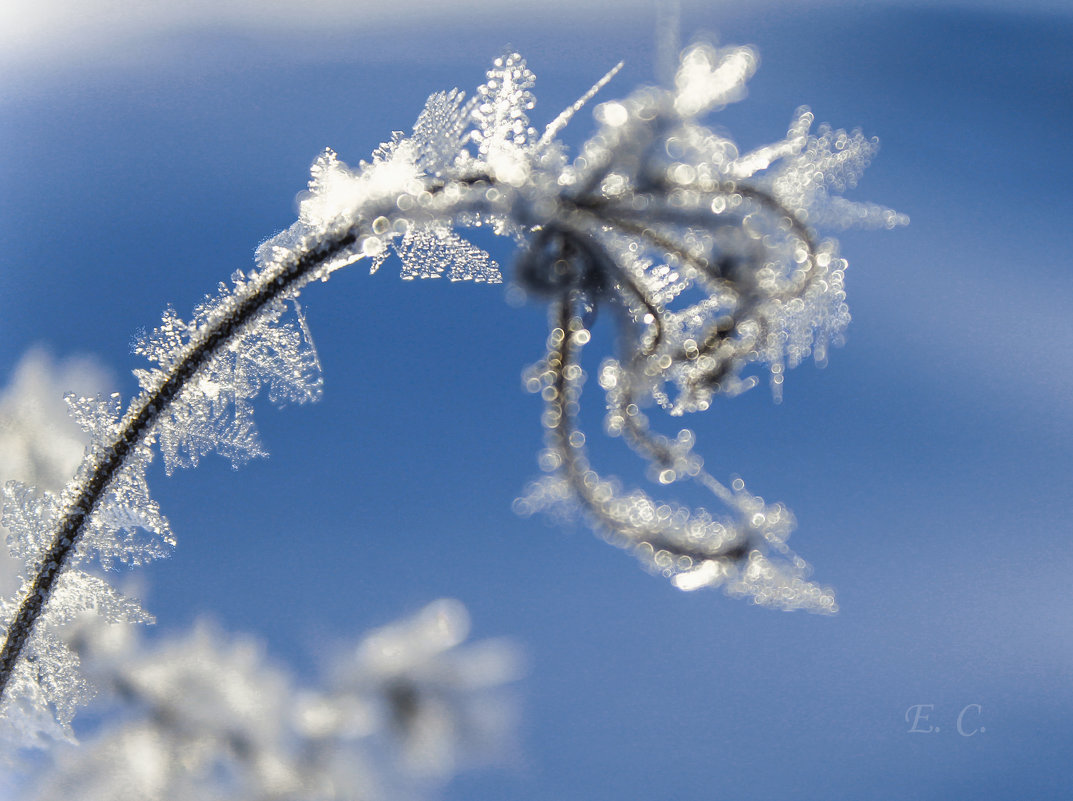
x=928, y=465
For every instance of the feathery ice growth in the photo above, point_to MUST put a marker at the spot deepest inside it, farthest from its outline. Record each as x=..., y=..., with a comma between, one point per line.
x=710, y=255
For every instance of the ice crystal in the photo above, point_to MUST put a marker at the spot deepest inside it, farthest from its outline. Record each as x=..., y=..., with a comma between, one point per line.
x=441, y=132
x=214, y=411
x=127, y=525
x=28, y=517
x=708, y=79
x=430, y=251
x=502, y=122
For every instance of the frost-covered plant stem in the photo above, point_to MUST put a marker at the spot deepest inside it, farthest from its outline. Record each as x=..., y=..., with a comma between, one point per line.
x=708, y=255
x=570, y=335
x=282, y=280
x=105, y=463
x=286, y=280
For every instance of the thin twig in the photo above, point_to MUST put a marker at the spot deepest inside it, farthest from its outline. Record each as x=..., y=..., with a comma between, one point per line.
x=141, y=418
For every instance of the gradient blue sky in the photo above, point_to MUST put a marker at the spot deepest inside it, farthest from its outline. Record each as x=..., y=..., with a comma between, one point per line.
x=928, y=465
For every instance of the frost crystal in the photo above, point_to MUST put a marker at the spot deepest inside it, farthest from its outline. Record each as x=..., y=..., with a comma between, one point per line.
x=214, y=411
x=441, y=131
x=503, y=129
x=430, y=251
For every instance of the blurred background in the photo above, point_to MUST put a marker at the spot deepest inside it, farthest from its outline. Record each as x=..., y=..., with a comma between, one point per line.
x=145, y=150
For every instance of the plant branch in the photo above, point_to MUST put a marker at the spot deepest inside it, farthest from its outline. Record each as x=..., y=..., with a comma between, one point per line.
x=140, y=419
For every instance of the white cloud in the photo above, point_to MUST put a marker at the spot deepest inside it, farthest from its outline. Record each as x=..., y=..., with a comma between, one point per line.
x=57, y=32
x=36, y=34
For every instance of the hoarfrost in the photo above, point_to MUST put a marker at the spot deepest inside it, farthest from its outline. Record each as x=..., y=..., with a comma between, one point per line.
x=431, y=251
x=711, y=257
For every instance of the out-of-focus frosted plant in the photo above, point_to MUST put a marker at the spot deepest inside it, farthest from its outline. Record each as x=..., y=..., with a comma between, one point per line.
x=203, y=716
x=39, y=443
x=436, y=703
x=709, y=255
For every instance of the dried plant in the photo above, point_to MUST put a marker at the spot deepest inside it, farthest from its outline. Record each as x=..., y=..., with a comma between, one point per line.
x=709, y=256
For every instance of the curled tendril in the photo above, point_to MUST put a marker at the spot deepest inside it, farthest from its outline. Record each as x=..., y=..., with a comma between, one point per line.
x=571, y=260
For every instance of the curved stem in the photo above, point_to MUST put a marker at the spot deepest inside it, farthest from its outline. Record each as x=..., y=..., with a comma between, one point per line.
x=140, y=419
